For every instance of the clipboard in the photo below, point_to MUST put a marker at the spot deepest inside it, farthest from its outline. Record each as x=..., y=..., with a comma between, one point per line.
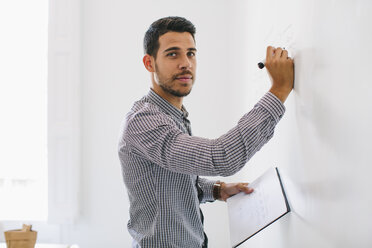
x=251, y=213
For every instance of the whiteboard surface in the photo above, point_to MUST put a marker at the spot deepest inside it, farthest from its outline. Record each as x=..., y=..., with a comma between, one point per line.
x=323, y=143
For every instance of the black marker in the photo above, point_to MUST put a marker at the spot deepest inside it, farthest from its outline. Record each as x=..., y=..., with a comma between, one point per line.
x=261, y=64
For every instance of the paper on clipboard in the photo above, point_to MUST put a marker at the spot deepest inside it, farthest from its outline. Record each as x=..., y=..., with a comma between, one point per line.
x=250, y=213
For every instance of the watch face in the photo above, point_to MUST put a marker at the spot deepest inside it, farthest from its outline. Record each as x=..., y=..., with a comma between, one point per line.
x=217, y=191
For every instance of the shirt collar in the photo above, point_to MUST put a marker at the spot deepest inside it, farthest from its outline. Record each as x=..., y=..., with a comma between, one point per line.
x=166, y=106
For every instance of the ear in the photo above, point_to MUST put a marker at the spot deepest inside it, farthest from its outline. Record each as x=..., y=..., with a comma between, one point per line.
x=148, y=62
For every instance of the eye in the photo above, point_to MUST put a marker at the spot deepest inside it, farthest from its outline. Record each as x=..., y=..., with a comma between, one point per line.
x=191, y=54
x=172, y=54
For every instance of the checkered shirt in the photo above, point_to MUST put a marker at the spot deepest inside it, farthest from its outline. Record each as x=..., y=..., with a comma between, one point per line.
x=161, y=164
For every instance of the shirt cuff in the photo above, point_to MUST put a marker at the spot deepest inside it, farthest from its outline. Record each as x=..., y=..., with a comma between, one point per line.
x=273, y=105
x=207, y=187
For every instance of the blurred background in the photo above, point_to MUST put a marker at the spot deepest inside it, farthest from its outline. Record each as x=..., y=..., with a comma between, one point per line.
x=93, y=76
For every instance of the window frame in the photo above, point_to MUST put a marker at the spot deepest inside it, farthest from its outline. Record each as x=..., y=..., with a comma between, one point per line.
x=64, y=104
x=64, y=121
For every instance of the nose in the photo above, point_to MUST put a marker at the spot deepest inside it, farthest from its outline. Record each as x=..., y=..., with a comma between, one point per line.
x=185, y=63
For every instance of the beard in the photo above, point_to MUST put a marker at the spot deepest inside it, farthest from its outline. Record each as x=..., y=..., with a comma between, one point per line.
x=167, y=84
x=170, y=90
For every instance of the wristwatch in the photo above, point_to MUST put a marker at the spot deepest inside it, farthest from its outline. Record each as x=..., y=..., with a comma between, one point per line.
x=217, y=190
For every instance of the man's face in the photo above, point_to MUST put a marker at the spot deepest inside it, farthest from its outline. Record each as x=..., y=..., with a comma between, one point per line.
x=175, y=63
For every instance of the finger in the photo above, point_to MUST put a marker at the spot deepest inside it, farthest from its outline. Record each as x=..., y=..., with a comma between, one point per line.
x=248, y=190
x=291, y=61
x=269, y=52
x=285, y=54
x=244, y=188
x=278, y=53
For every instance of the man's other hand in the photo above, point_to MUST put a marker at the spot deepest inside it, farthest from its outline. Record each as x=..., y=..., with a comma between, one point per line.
x=230, y=189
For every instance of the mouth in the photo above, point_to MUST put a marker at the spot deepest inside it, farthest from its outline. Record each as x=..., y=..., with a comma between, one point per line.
x=184, y=78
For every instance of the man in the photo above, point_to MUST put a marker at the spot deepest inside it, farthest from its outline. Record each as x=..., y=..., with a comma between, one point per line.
x=161, y=161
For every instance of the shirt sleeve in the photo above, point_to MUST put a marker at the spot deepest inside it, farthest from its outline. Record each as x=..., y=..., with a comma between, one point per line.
x=207, y=188
x=153, y=135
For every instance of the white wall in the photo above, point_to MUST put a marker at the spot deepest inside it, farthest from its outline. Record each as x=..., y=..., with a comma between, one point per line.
x=321, y=145
x=113, y=77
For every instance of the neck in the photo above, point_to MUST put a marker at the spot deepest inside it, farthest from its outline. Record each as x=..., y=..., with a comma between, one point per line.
x=174, y=100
